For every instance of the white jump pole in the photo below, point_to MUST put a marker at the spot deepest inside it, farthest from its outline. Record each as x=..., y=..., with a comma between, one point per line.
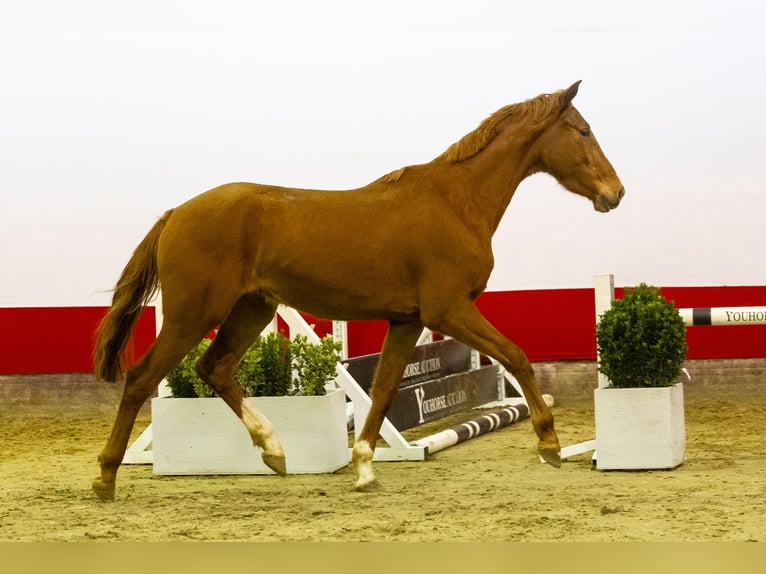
x=480, y=425
x=604, y=295
x=722, y=316
x=604, y=298
x=163, y=390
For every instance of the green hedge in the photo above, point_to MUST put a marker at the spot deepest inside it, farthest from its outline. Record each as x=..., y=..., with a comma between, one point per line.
x=274, y=366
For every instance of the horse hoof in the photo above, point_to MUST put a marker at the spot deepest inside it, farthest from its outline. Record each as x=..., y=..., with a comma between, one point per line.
x=367, y=486
x=276, y=463
x=551, y=456
x=103, y=491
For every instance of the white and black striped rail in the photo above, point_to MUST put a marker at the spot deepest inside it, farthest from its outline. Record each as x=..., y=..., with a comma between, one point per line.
x=720, y=316
x=473, y=428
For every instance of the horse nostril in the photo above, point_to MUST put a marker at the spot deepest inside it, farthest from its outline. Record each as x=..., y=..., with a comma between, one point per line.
x=621, y=193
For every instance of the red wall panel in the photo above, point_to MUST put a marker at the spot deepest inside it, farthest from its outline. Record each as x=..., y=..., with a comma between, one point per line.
x=549, y=325
x=559, y=324
x=554, y=324
x=59, y=339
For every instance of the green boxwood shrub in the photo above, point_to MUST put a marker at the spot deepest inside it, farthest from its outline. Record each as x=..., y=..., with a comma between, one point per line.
x=266, y=368
x=641, y=340
x=183, y=380
x=274, y=366
x=314, y=364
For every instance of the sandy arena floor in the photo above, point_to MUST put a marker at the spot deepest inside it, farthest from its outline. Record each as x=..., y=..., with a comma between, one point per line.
x=490, y=489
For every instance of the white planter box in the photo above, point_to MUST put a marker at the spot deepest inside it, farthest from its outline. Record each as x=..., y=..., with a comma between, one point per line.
x=640, y=428
x=204, y=436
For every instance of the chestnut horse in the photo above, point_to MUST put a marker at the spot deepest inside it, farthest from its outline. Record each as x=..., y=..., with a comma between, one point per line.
x=413, y=248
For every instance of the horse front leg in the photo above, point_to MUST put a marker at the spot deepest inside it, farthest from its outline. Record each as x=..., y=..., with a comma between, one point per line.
x=397, y=352
x=466, y=324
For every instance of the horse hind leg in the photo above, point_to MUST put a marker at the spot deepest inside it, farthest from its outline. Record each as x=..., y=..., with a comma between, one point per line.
x=140, y=382
x=466, y=324
x=397, y=352
x=218, y=365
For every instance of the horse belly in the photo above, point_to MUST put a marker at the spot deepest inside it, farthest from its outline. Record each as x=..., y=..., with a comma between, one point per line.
x=340, y=287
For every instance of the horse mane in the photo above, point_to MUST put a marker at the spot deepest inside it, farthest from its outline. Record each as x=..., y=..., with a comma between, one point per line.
x=527, y=116
x=392, y=177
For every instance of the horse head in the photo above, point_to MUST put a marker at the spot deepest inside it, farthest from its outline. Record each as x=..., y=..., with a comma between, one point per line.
x=568, y=150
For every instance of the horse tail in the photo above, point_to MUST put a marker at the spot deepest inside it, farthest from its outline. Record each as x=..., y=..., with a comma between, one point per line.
x=137, y=285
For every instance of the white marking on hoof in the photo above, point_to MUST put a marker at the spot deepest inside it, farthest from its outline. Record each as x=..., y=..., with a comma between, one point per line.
x=362, y=460
x=261, y=431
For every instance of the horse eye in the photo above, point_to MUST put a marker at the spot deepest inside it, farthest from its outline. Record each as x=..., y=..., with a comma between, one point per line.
x=585, y=132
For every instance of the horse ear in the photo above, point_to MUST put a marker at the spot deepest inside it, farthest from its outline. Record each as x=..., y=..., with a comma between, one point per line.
x=568, y=95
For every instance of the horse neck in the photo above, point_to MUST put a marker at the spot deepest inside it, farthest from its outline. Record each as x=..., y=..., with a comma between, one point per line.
x=486, y=182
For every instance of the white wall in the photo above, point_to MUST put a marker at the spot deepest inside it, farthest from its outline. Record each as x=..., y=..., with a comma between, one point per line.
x=112, y=113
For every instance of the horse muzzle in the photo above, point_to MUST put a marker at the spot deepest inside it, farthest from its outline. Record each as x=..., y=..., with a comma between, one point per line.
x=606, y=203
